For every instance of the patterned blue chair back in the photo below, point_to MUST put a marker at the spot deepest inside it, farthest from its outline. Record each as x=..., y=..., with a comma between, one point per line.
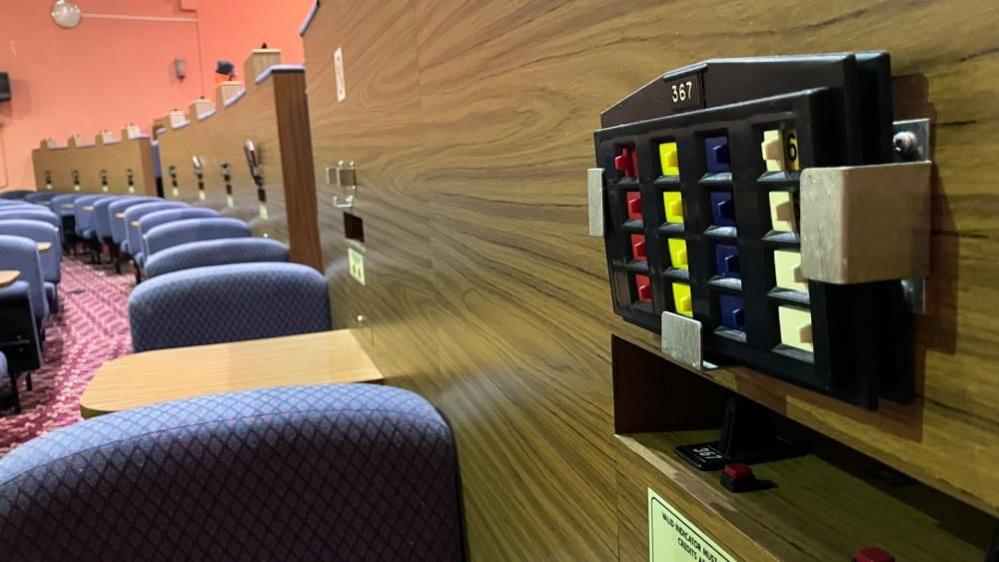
x=193, y=230
x=118, y=231
x=39, y=232
x=19, y=206
x=39, y=196
x=15, y=194
x=225, y=303
x=216, y=252
x=133, y=237
x=336, y=472
x=152, y=220
x=36, y=214
x=101, y=220
x=64, y=205
x=21, y=254
x=83, y=208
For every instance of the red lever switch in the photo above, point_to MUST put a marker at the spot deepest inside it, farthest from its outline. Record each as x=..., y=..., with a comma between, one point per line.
x=644, y=286
x=626, y=162
x=872, y=554
x=634, y=206
x=638, y=247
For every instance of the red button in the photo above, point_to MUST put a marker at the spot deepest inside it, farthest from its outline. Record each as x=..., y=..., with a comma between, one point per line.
x=644, y=287
x=638, y=247
x=873, y=554
x=634, y=205
x=626, y=162
x=738, y=471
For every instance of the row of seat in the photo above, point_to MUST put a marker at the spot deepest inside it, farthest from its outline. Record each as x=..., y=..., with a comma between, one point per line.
x=174, y=235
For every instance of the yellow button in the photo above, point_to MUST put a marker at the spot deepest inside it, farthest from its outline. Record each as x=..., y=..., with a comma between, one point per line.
x=782, y=212
x=780, y=150
x=673, y=201
x=668, y=159
x=795, y=327
x=681, y=299
x=787, y=266
x=677, y=252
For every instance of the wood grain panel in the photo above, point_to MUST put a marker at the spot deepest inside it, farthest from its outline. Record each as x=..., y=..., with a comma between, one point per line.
x=114, y=157
x=485, y=294
x=274, y=115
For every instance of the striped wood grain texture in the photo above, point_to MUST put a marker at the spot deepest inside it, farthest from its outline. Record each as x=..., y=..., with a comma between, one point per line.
x=114, y=158
x=274, y=115
x=471, y=124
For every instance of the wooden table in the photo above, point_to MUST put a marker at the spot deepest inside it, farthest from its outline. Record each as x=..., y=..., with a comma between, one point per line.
x=170, y=374
x=7, y=277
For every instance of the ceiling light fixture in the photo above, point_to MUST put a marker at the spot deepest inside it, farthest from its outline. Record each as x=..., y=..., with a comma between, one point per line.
x=66, y=14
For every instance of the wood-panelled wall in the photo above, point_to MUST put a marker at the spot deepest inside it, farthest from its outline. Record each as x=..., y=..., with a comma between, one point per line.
x=274, y=115
x=471, y=127
x=113, y=156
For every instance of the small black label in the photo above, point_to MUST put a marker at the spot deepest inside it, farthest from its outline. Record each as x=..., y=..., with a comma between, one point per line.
x=685, y=93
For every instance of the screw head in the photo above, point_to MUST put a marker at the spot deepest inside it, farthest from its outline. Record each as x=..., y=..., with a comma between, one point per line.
x=906, y=145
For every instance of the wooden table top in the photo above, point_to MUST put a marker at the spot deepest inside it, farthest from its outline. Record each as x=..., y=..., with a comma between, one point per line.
x=170, y=374
x=7, y=277
x=44, y=246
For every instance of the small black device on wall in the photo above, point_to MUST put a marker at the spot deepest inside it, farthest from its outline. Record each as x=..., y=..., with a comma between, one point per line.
x=4, y=86
x=700, y=177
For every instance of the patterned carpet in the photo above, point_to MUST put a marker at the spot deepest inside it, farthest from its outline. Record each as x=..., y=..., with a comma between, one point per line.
x=92, y=329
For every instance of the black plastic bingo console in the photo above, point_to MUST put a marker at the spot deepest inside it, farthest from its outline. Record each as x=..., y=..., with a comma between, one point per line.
x=701, y=172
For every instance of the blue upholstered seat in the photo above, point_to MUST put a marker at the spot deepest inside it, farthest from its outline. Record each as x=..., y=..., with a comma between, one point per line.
x=225, y=303
x=193, y=230
x=15, y=194
x=50, y=260
x=154, y=219
x=40, y=197
x=59, y=204
x=216, y=252
x=21, y=254
x=84, y=211
x=36, y=214
x=118, y=230
x=101, y=220
x=338, y=472
x=133, y=236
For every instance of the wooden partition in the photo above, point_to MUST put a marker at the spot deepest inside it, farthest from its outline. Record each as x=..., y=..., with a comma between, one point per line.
x=108, y=165
x=269, y=111
x=470, y=126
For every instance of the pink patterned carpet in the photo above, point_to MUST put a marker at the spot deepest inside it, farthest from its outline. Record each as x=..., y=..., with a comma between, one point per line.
x=91, y=329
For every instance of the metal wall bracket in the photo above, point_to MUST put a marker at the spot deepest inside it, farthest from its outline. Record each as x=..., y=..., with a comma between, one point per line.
x=913, y=143
x=681, y=339
x=595, y=197
x=344, y=176
x=871, y=223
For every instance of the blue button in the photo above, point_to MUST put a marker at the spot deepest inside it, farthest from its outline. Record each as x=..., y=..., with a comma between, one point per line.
x=722, y=208
x=732, y=314
x=727, y=260
x=717, y=155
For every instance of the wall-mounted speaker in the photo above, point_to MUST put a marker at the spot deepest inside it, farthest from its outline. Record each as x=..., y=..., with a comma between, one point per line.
x=4, y=86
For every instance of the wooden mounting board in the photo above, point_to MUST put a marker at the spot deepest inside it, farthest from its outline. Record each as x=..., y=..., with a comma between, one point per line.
x=88, y=161
x=274, y=115
x=472, y=128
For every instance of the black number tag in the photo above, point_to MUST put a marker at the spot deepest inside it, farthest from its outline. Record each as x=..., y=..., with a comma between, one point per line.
x=685, y=93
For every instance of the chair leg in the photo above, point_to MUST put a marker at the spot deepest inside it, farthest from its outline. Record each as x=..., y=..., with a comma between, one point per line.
x=14, y=394
x=27, y=382
x=138, y=274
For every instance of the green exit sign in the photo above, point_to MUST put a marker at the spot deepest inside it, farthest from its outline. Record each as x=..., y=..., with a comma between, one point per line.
x=356, y=260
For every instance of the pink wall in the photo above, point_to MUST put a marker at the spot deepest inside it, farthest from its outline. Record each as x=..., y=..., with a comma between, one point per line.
x=229, y=30
x=106, y=73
